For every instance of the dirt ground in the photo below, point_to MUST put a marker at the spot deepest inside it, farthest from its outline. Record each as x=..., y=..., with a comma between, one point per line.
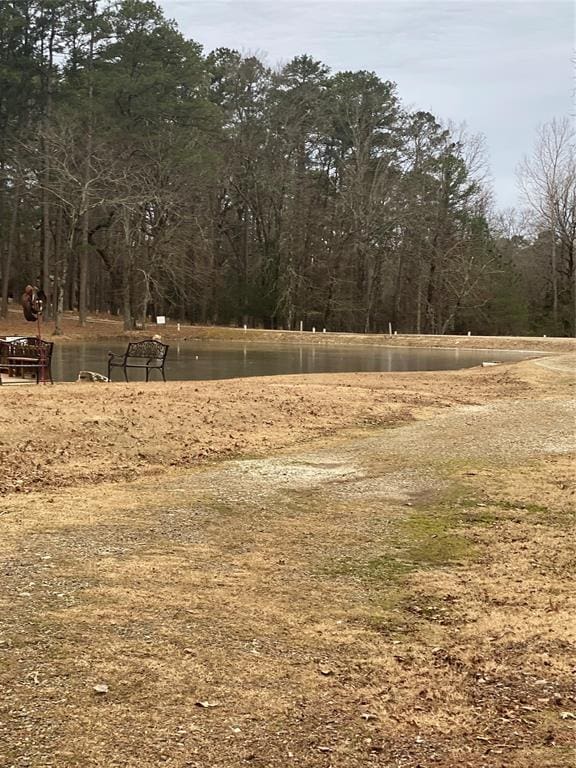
x=333, y=571
x=78, y=433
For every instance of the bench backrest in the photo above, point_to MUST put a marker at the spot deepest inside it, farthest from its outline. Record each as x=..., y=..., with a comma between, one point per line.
x=29, y=346
x=148, y=348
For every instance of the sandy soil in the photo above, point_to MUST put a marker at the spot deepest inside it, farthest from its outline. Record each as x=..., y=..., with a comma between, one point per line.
x=325, y=571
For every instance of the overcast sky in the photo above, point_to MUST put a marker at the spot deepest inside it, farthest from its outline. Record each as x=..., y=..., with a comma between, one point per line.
x=501, y=66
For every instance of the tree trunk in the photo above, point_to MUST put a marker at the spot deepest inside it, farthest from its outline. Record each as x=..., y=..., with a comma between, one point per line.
x=7, y=266
x=553, y=267
x=126, y=303
x=398, y=293
x=62, y=278
x=72, y=270
x=46, y=250
x=59, y=279
x=419, y=303
x=83, y=272
x=431, y=298
x=84, y=248
x=45, y=204
x=573, y=267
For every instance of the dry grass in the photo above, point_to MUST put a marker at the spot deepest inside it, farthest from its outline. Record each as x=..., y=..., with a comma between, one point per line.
x=92, y=433
x=357, y=603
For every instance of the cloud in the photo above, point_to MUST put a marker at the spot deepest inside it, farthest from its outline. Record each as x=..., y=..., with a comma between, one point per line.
x=503, y=66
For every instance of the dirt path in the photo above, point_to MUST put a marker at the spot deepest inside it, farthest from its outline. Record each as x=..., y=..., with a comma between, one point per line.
x=396, y=597
x=76, y=434
x=564, y=364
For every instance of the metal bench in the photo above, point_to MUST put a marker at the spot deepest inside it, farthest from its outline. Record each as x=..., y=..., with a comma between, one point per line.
x=27, y=354
x=148, y=354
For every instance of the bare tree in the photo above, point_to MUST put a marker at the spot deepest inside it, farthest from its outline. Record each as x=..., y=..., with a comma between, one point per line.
x=547, y=182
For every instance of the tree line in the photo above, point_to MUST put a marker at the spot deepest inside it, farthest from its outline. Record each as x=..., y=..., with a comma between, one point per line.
x=141, y=176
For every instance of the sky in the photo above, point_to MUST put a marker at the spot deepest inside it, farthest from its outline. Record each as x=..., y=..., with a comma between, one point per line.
x=503, y=67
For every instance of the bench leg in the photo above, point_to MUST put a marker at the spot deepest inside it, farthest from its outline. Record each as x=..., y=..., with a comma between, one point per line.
x=126, y=374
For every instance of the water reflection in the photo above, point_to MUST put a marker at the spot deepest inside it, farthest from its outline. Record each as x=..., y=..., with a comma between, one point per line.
x=203, y=360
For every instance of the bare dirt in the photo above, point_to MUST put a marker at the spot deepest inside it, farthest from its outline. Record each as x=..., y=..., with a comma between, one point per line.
x=345, y=571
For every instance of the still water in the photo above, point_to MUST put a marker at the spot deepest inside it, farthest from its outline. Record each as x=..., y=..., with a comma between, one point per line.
x=198, y=360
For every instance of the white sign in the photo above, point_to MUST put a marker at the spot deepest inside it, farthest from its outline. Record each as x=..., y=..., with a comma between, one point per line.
x=161, y=320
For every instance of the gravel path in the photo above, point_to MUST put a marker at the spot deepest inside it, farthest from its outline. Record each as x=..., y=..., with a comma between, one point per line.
x=380, y=466
x=564, y=364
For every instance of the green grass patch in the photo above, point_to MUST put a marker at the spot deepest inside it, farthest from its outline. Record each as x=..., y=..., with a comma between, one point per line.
x=421, y=540
x=478, y=517
x=515, y=506
x=484, y=511
x=431, y=539
x=441, y=551
x=384, y=569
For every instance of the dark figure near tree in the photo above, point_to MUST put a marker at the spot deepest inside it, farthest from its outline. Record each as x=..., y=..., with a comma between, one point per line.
x=32, y=302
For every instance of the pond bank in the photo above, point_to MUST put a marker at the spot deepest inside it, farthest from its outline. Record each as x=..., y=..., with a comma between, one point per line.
x=105, y=327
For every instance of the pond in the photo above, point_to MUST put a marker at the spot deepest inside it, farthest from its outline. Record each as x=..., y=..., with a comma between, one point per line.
x=202, y=360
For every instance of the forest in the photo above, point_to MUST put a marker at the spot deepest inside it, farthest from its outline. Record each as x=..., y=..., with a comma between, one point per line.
x=143, y=176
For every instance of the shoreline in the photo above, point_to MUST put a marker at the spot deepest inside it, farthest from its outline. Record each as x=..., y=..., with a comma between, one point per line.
x=106, y=329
